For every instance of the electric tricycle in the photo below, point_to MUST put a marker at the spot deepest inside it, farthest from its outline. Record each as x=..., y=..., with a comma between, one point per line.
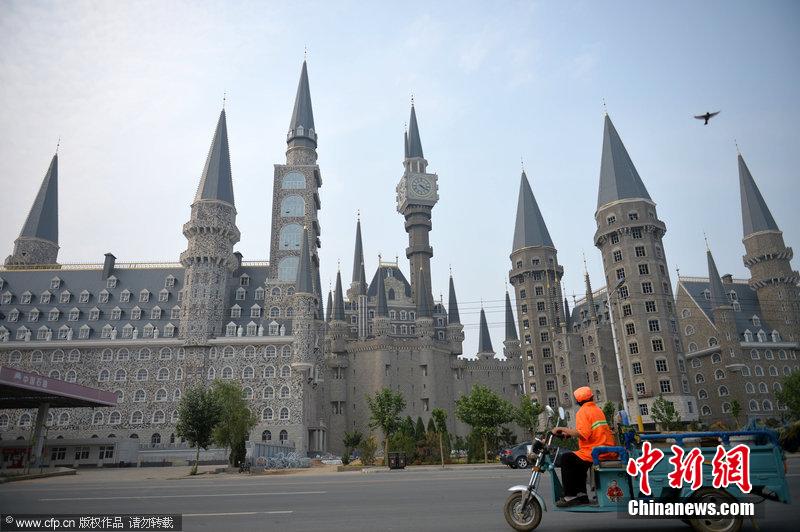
x=611, y=488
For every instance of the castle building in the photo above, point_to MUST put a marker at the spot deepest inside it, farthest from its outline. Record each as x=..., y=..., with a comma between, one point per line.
x=148, y=331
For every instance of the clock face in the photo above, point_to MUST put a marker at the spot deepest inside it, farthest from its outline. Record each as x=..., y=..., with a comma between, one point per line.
x=422, y=186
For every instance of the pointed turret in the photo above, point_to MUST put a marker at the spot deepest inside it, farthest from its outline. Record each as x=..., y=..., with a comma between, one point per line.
x=590, y=297
x=338, y=299
x=718, y=298
x=423, y=304
x=304, y=282
x=382, y=310
x=530, y=229
x=452, y=307
x=566, y=312
x=511, y=328
x=38, y=239
x=756, y=216
x=413, y=142
x=216, y=182
x=484, y=340
x=359, y=284
x=301, y=126
x=618, y=176
x=329, y=308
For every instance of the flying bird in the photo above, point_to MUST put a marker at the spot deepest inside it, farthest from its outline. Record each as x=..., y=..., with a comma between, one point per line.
x=706, y=117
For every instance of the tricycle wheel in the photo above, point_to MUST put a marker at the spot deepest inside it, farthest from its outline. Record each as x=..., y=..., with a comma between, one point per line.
x=522, y=518
x=714, y=523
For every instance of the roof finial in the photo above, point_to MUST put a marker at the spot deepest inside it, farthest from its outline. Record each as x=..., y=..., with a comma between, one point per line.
x=522, y=163
x=737, y=147
x=412, y=99
x=585, y=269
x=224, y=98
x=405, y=127
x=379, y=259
x=305, y=52
x=58, y=144
x=338, y=265
x=705, y=237
x=678, y=272
x=605, y=109
x=450, y=267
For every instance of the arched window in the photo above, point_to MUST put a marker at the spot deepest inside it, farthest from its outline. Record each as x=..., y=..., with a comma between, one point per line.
x=247, y=393
x=759, y=371
x=689, y=330
x=702, y=394
x=776, y=387
x=283, y=437
x=287, y=268
x=766, y=404
x=391, y=294
x=284, y=414
x=155, y=439
x=716, y=358
x=158, y=416
x=776, y=337
x=723, y=391
x=163, y=374
x=285, y=371
x=293, y=180
x=247, y=372
x=270, y=351
x=114, y=419
x=719, y=374
x=290, y=237
x=712, y=342
x=120, y=375
x=267, y=414
x=212, y=374
x=293, y=206
x=177, y=395
x=773, y=371
x=269, y=372
x=595, y=376
x=63, y=419
x=227, y=372
x=97, y=418
x=699, y=379
x=685, y=313
x=753, y=405
x=269, y=392
x=274, y=312
x=726, y=407
x=692, y=347
x=54, y=374
x=749, y=388
x=161, y=394
x=762, y=387
x=137, y=418
x=141, y=375
x=284, y=392
x=266, y=436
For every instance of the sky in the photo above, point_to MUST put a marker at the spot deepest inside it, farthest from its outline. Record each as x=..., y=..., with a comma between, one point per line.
x=134, y=89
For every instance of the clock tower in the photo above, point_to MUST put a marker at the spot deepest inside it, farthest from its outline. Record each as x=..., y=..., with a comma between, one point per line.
x=417, y=193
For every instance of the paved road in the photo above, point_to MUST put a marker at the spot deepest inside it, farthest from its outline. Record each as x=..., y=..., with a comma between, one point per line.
x=457, y=500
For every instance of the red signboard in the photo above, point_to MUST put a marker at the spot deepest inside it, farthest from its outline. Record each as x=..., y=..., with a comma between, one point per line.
x=55, y=387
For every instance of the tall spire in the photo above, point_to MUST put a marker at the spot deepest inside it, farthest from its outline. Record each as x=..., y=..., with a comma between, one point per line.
x=755, y=213
x=452, y=307
x=566, y=312
x=589, y=295
x=216, y=182
x=304, y=282
x=618, y=176
x=329, y=308
x=423, y=305
x=42, y=221
x=484, y=340
x=301, y=126
x=511, y=328
x=718, y=298
x=383, y=306
x=530, y=229
x=338, y=299
x=358, y=262
x=414, y=143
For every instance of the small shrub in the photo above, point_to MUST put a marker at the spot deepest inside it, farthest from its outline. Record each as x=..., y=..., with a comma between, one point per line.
x=367, y=448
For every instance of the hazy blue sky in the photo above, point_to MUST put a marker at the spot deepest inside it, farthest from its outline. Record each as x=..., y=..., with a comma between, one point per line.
x=134, y=90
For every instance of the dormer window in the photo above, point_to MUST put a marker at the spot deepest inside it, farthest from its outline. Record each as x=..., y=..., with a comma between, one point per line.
x=111, y=282
x=7, y=297
x=105, y=332
x=26, y=298
x=633, y=215
x=127, y=331
x=104, y=296
x=53, y=315
x=776, y=336
x=33, y=315
x=144, y=296
x=55, y=283
x=252, y=328
x=63, y=333
x=44, y=298
x=244, y=280
x=762, y=336
x=241, y=293
x=707, y=295
x=125, y=296
x=273, y=328
x=83, y=332
x=94, y=314
x=611, y=220
x=136, y=313
x=163, y=295
x=22, y=333
x=733, y=296
x=169, y=282
x=2, y=283
x=42, y=333
x=13, y=315
x=169, y=330
x=74, y=314
x=236, y=311
x=84, y=297
x=259, y=295
x=230, y=329
x=255, y=311
x=175, y=313
x=65, y=296
x=756, y=321
x=737, y=306
x=155, y=313
x=116, y=313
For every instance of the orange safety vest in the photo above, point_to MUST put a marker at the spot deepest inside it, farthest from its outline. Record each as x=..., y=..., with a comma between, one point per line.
x=593, y=431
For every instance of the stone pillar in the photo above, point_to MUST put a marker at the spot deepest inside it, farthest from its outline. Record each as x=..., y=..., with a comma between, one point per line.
x=38, y=437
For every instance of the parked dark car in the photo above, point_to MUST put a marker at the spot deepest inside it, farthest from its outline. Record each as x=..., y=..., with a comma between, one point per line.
x=515, y=457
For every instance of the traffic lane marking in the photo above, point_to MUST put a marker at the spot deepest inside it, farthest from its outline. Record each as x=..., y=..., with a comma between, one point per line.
x=239, y=513
x=186, y=496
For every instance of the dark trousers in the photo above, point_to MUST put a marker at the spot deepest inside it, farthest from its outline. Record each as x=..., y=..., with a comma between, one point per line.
x=573, y=473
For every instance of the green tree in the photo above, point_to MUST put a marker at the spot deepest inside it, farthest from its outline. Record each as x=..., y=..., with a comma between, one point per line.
x=385, y=408
x=609, y=410
x=484, y=411
x=233, y=428
x=526, y=415
x=790, y=394
x=351, y=441
x=367, y=450
x=664, y=413
x=198, y=414
x=419, y=429
x=439, y=418
x=431, y=427
x=736, y=410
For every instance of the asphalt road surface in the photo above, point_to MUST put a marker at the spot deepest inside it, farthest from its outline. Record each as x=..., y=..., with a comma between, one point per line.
x=429, y=500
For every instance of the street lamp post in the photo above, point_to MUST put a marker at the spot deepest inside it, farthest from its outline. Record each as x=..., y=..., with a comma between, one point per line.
x=621, y=371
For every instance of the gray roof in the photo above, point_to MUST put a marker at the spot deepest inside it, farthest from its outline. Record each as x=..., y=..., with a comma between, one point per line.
x=382, y=304
x=42, y=221
x=452, y=306
x=216, y=182
x=530, y=229
x=755, y=213
x=590, y=296
x=358, y=262
x=745, y=296
x=718, y=297
x=511, y=328
x=484, y=340
x=423, y=302
x=329, y=308
x=302, y=114
x=304, y=283
x=414, y=143
x=338, y=299
x=618, y=176
x=383, y=270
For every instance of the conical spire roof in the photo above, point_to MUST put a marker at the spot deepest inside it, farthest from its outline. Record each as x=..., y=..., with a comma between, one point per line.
x=566, y=312
x=618, y=176
x=304, y=278
x=589, y=297
x=484, y=340
x=530, y=229
x=42, y=221
x=383, y=305
x=301, y=125
x=755, y=213
x=217, y=182
x=329, y=307
x=423, y=305
x=338, y=299
x=318, y=293
x=511, y=327
x=718, y=298
x=452, y=306
x=414, y=143
x=358, y=262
